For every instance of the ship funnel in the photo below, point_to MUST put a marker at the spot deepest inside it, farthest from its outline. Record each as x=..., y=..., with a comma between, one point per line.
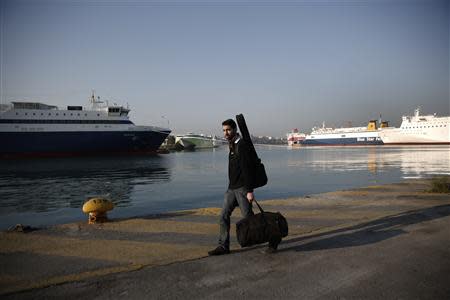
x=372, y=126
x=384, y=124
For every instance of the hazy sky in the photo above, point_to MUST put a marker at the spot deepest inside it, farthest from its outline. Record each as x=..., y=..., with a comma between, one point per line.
x=283, y=64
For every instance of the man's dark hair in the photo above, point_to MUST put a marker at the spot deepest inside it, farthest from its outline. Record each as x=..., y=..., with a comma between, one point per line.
x=231, y=123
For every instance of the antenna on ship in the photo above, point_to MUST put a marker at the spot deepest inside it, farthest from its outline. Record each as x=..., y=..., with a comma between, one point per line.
x=93, y=97
x=417, y=111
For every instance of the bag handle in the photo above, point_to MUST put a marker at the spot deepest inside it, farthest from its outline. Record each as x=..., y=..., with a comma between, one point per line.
x=262, y=212
x=259, y=206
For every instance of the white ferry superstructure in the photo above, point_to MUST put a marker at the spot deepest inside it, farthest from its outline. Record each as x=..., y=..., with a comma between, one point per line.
x=419, y=129
x=37, y=129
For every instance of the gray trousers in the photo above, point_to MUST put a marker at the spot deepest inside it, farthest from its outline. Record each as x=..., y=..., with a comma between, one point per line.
x=233, y=198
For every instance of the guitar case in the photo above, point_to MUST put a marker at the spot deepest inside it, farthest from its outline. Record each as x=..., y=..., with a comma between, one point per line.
x=260, y=178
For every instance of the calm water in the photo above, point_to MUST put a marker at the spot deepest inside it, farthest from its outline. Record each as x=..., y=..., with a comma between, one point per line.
x=51, y=191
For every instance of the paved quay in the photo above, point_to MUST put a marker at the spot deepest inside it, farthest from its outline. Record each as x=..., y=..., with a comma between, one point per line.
x=389, y=241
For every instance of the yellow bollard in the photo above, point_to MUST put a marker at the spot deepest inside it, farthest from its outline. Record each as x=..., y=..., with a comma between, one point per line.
x=97, y=208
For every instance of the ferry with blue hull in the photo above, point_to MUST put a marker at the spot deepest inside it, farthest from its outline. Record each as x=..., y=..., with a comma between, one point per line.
x=350, y=136
x=37, y=129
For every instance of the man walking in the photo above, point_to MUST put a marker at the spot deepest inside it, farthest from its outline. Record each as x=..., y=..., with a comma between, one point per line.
x=239, y=191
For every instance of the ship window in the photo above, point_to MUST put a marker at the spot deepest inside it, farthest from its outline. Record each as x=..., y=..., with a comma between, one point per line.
x=17, y=114
x=85, y=115
x=64, y=114
x=78, y=114
x=71, y=114
x=98, y=115
x=34, y=114
x=26, y=114
x=74, y=108
x=49, y=114
x=42, y=114
x=113, y=109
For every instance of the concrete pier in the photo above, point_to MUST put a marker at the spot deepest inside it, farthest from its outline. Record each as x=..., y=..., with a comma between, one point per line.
x=389, y=241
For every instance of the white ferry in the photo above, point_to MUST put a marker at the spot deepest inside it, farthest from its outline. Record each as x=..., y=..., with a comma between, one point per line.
x=325, y=136
x=295, y=137
x=419, y=129
x=37, y=129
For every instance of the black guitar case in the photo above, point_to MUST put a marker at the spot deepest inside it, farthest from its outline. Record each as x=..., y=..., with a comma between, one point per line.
x=260, y=178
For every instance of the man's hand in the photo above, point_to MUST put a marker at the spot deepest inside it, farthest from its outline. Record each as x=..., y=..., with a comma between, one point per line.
x=250, y=197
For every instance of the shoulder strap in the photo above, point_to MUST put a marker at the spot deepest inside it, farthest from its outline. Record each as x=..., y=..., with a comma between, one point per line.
x=236, y=146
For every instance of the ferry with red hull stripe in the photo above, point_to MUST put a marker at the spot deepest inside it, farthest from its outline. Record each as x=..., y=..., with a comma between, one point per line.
x=295, y=138
x=419, y=130
x=34, y=129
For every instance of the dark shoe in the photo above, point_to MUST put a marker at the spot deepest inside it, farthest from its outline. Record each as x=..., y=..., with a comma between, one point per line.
x=219, y=251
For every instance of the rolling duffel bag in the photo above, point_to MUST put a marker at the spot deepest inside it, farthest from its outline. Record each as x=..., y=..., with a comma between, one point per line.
x=260, y=228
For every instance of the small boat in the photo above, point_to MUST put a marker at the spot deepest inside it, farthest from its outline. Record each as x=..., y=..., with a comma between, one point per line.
x=193, y=141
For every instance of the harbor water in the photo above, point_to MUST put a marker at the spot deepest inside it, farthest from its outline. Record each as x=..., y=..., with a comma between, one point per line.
x=41, y=192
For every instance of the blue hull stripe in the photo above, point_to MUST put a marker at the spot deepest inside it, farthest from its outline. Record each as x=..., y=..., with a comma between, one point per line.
x=341, y=141
x=80, y=142
x=39, y=121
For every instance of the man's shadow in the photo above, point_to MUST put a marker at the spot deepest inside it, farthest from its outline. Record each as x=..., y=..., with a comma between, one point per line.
x=367, y=233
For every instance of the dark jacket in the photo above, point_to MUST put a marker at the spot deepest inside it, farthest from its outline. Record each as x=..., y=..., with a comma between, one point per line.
x=239, y=165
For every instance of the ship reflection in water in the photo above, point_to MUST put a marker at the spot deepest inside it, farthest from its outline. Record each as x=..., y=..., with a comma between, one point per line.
x=420, y=161
x=51, y=191
x=50, y=184
x=411, y=161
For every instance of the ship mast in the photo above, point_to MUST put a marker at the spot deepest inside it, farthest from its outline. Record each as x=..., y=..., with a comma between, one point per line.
x=93, y=98
x=417, y=111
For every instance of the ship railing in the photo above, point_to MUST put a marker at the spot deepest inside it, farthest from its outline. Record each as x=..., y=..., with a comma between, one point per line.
x=153, y=128
x=339, y=130
x=5, y=107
